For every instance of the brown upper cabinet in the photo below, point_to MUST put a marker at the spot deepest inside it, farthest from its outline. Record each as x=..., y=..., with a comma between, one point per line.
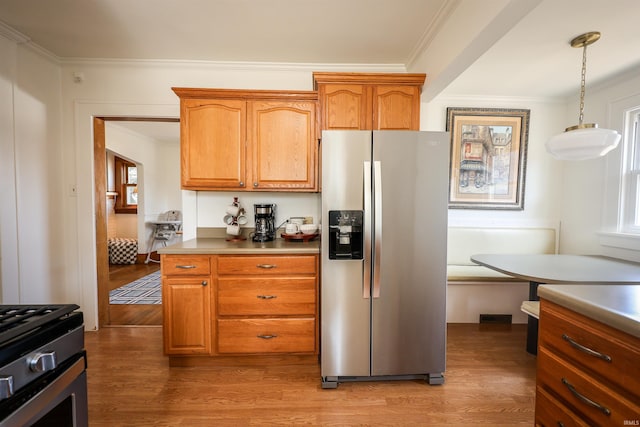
x=241, y=140
x=377, y=101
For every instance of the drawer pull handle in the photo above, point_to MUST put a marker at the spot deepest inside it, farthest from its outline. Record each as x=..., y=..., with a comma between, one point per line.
x=267, y=296
x=204, y=283
x=584, y=349
x=185, y=267
x=267, y=337
x=585, y=399
x=267, y=266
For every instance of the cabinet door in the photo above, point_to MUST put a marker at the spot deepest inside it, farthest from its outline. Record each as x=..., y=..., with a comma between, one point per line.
x=187, y=315
x=396, y=107
x=213, y=144
x=346, y=106
x=284, y=145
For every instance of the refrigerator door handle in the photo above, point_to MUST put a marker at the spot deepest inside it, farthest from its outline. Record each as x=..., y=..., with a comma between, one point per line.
x=366, y=277
x=377, y=240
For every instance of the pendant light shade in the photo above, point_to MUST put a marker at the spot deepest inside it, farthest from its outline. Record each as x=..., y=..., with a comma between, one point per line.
x=583, y=144
x=583, y=141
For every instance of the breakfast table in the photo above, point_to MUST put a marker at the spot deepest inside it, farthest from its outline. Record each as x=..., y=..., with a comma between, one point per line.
x=559, y=269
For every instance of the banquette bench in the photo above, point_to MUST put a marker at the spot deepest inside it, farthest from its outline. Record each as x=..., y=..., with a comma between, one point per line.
x=473, y=289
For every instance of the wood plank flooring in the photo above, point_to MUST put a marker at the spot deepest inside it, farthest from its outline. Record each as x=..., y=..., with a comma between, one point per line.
x=132, y=314
x=490, y=381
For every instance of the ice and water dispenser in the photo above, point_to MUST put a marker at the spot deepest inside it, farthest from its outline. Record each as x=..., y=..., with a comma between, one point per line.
x=346, y=234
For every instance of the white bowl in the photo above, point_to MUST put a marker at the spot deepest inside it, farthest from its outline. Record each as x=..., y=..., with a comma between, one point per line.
x=308, y=228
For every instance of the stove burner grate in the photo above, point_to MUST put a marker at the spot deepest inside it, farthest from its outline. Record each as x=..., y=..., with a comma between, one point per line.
x=16, y=320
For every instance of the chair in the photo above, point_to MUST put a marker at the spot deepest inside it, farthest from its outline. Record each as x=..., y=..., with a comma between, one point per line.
x=164, y=229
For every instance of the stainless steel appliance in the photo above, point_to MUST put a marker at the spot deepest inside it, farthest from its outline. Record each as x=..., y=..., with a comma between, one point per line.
x=43, y=379
x=384, y=246
x=265, y=216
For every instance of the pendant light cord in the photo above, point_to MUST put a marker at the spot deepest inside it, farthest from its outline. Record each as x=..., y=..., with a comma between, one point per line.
x=583, y=83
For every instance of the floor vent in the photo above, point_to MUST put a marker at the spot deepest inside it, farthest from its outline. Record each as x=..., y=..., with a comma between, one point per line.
x=495, y=318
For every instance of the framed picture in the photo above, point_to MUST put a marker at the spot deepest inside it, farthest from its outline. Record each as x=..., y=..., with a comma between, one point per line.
x=488, y=157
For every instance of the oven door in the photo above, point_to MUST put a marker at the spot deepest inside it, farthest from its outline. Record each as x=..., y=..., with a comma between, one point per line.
x=62, y=402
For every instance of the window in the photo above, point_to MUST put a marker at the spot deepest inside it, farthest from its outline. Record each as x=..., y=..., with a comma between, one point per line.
x=630, y=194
x=126, y=180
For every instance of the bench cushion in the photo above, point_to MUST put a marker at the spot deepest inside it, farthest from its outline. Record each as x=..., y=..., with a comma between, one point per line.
x=457, y=273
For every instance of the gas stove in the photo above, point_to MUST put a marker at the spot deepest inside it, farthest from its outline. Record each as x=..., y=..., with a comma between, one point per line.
x=42, y=366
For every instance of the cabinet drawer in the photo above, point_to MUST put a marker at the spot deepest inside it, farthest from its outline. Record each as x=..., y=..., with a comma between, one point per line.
x=247, y=264
x=583, y=394
x=581, y=339
x=266, y=335
x=185, y=265
x=266, y=296
x=551, y=413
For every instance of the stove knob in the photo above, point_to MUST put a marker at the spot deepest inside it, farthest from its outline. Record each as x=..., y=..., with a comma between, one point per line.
x=43, y=362
x=6, y=387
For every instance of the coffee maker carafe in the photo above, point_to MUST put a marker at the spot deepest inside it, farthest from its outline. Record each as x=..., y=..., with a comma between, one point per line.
x=265, y=215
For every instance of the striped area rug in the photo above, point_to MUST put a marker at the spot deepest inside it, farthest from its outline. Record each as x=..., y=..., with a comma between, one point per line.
x=145, y=290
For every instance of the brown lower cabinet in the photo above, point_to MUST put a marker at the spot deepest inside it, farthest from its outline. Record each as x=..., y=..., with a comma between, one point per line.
x=588, y=373
x=240, y=305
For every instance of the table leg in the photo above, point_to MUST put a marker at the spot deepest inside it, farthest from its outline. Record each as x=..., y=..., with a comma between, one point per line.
x=532, y=322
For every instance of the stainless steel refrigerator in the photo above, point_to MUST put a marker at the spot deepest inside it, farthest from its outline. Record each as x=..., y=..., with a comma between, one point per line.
x=384, y=249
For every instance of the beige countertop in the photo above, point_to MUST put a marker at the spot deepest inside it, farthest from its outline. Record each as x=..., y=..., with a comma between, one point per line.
x=615, y=305
x=216, y=246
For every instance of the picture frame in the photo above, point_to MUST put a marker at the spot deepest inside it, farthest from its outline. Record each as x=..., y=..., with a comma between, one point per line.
x=488, y=157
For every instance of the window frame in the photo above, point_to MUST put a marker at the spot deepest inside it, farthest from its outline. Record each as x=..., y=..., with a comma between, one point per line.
x=630, y=192
x=122, y=183
x=616, y=239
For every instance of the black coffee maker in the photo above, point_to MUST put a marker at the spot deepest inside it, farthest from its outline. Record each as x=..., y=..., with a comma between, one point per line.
x=265, y=215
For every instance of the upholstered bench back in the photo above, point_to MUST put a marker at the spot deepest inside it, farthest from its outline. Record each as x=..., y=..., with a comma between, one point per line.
x=463, y=242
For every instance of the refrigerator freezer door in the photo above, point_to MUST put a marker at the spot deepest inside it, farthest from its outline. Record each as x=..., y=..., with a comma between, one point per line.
x=408, y=319
x=345, y=327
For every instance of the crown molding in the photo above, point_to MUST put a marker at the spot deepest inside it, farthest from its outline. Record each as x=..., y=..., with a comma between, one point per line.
x=235, y=65
x=13, y=34
x=441, y=17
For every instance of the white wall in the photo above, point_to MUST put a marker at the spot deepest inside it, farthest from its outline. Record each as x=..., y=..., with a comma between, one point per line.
x=542, y=201
x=585, y=197
x=9, y=269
x=34, y=226
x=542, y=192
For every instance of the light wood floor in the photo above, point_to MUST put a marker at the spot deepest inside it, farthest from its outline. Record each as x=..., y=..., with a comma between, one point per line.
x=490, y=381
x=132, y=314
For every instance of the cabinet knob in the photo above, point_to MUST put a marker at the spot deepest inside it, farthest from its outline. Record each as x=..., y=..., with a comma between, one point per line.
x=255, y=184
x=204, y=283
x=241, y=183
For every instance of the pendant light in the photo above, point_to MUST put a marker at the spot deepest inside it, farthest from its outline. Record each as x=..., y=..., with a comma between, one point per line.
x=584, y=140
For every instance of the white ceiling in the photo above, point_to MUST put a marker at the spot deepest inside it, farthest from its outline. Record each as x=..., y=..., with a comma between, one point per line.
x=472, y=47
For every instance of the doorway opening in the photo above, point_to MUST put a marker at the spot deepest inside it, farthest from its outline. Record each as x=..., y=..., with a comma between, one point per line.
x=152, y=144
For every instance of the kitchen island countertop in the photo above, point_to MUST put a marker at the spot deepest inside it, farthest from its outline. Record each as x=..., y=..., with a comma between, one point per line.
x=217, y=246
x=615, y=305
